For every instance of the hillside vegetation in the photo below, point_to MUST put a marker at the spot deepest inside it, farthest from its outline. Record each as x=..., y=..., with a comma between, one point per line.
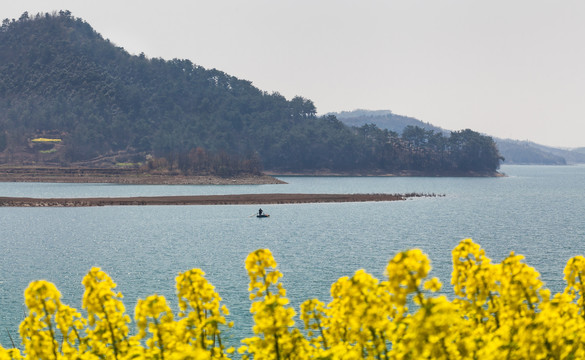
x=514, y=151
x=62, y=80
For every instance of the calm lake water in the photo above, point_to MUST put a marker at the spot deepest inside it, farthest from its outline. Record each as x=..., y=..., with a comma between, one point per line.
x=537, y=211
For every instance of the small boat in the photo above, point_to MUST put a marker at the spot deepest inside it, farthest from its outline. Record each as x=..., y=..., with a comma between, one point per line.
x=261, y=214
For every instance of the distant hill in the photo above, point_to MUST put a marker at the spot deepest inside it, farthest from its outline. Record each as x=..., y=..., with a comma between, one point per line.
x=384, y=119
x=571, y=156
x=69, y=96
x=514, y=151
x=528, y=152
x=525, y=153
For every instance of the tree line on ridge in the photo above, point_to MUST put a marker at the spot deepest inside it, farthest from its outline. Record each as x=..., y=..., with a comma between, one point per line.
x=61, y=78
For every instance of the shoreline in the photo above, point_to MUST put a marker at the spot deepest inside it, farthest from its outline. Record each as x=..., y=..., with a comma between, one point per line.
x=50, y=174
x=244, y=199
x=402, y=173
x=150, y=180
x=124, y=177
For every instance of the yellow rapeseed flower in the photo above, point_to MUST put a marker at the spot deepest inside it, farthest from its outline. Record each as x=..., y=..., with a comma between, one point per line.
x=498, y=310
x=38, y=329
x=202, y=316
x=272, y=319
x=107, y=321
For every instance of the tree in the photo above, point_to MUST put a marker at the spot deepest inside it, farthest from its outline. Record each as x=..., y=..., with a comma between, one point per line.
x=2, y=140
x=472, y=151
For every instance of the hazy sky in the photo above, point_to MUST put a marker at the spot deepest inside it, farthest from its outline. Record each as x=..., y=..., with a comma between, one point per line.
x=512, y=69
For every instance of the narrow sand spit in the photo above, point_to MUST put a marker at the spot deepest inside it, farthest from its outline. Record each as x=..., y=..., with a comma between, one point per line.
x=246, y=199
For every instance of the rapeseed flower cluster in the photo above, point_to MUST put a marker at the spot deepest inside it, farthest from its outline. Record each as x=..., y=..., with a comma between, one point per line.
x=53, y=330
x=275, y=336
x=497, y=310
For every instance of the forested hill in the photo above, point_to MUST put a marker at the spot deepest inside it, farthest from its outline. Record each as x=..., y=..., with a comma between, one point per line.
x=60, y=79
x=384, y=119
x=514, y=151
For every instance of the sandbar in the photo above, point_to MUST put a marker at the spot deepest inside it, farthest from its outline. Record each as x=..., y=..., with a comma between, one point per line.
x=242, y=199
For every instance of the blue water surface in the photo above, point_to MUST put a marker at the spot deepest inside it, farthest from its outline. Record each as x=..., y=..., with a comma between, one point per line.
x=537, y=211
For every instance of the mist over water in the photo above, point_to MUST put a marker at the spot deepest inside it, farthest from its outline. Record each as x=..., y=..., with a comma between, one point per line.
x=536, y=211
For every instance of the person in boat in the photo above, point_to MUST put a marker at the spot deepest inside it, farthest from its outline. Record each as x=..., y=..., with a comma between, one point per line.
x=260, y=212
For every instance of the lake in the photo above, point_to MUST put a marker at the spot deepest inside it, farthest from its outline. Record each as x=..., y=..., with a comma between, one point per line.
x=537, y=211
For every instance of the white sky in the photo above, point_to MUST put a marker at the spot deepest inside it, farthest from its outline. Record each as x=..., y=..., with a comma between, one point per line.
x=508, y=68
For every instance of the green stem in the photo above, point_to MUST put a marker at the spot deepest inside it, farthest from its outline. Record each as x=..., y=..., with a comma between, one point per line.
x=276, y=347
x=111, y=332
x=48, y=317
x=160, y=340
x=321, y=332
x=10, y=337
